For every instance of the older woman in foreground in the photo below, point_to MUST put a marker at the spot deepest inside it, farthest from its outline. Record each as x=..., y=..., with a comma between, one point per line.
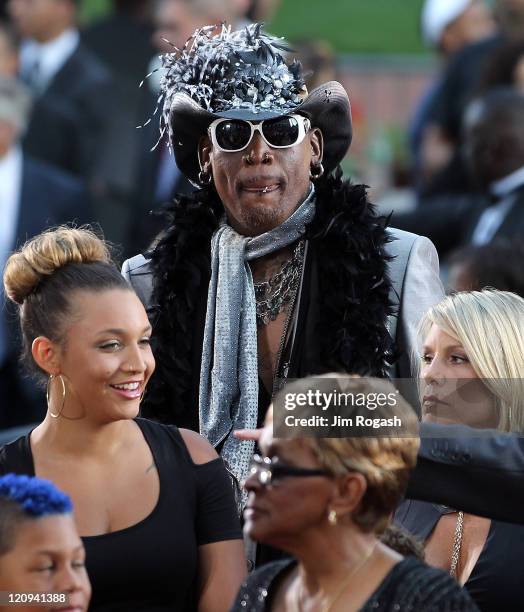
x=325, y=501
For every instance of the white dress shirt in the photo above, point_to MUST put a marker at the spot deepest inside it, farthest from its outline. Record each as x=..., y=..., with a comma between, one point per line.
x=10, y=191
x=40, y=62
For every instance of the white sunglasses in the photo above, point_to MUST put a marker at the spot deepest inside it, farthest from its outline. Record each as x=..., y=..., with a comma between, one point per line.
x=233, y=135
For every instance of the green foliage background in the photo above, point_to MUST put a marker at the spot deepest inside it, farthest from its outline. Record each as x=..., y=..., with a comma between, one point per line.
x=92, y=9
x=354, y=26
x=351, y=26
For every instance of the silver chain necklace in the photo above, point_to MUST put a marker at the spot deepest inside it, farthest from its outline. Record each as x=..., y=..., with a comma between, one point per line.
x=273, y=294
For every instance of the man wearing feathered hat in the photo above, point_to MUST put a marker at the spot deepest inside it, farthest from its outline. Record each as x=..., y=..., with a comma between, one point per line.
x=275, y=267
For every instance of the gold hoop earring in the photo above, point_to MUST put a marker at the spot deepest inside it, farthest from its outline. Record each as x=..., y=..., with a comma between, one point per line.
x=332, y=517
x=48, y=395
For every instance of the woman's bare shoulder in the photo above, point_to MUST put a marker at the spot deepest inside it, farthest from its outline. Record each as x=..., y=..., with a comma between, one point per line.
x=198, y=447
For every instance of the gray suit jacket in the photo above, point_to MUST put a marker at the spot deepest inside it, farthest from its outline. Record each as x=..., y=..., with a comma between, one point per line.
x=414, y=273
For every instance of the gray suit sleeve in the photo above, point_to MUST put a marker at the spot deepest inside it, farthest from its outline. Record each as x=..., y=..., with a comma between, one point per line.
x=421, y=290
x=126, y=272
x=137, y=272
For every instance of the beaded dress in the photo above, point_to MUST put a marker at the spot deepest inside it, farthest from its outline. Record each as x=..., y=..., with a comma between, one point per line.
x=409, y=586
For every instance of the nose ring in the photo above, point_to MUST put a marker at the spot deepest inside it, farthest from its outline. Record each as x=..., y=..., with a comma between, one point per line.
x=249, y=158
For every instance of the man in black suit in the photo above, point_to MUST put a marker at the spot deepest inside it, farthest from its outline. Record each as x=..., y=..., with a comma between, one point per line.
x=71, y=87
x=494, y=139
x=460, y=84
x=494, y=152
x=481, y=472
x=33, y=196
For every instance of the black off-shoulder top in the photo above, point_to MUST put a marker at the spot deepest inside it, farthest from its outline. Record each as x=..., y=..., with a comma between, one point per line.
x=152, y=565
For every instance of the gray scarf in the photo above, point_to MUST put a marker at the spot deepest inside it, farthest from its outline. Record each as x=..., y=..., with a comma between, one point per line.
x=228, y=398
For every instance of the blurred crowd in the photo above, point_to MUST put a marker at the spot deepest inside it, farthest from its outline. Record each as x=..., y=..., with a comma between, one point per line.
x=70, y=150
x=79, y=139
x=467, y=139
x=82, y=143
x=77, y=102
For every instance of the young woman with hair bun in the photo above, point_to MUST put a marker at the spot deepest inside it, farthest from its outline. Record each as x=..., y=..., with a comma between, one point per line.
x=154, y=505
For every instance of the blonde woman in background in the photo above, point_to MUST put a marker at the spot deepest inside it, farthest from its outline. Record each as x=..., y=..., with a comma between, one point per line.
x=472, y=372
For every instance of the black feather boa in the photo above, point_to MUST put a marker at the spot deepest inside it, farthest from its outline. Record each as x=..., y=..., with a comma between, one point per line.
x=354, y=287
x=349, y=240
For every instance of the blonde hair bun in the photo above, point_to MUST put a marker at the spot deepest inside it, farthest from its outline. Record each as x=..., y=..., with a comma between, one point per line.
x=48, y=252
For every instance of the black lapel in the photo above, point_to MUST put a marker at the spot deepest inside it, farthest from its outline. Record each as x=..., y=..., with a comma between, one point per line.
x=305, y=345
x=513, y=224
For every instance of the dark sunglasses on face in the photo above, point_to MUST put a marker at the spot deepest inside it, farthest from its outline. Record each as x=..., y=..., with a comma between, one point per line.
x=233, y=135
x=269, y=470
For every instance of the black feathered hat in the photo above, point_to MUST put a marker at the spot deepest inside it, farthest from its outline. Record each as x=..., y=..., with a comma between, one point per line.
x=243, y=75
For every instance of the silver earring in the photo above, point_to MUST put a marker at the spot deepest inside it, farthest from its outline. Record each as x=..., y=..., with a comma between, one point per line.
x=319, y=171
x=332, y=517
x=205, y=178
